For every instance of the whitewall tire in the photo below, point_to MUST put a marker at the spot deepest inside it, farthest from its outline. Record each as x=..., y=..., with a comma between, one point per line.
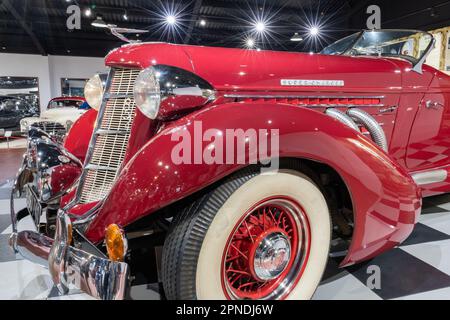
x=254, y=236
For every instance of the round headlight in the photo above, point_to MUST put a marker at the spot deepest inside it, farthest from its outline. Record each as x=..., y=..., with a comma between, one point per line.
x=146, y=93
x=93, y=92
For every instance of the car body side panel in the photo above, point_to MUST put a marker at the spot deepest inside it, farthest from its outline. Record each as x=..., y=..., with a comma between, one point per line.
x=386, y=201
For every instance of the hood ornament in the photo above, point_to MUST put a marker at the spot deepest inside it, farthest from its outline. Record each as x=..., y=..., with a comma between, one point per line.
x=117, y=31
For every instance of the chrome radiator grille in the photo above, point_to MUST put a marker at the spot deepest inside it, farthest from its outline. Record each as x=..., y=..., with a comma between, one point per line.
x=50, y=127
x=110, y=138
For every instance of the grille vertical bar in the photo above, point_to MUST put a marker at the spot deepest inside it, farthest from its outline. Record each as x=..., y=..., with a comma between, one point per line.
x=110, y=137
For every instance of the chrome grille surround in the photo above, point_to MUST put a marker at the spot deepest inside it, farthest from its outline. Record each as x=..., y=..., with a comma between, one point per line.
x=110, y=137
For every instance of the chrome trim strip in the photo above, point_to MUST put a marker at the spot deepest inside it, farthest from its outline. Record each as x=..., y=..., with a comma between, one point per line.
x=97, y=167
x=104, y=131
x=284, y=96
x=116, y=96
x=341, y=105
x=428, y=177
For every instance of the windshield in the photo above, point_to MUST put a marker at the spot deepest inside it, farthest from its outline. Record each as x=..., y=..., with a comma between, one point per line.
x=407, y=44
x=64, y=104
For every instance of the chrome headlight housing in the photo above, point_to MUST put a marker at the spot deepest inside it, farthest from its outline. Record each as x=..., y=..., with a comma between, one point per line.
x=161, y=91
x=69, y=124
x=93, y=92
x=147, y=94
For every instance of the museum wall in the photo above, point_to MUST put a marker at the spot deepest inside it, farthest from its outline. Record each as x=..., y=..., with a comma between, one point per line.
x=50, y=70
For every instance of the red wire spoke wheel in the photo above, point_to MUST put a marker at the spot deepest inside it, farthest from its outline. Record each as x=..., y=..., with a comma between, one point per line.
x=253, y=236
x=267, y=251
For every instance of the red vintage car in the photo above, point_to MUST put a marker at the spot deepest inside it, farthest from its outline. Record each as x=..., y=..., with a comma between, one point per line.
x=245, y=162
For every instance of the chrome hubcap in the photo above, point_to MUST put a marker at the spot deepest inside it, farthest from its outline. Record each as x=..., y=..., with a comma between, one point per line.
x=272, y=256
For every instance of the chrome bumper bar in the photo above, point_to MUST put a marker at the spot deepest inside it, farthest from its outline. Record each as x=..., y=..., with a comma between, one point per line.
x=97, y=276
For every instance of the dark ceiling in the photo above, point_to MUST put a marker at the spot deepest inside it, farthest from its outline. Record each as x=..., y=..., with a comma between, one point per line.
x=39, y=26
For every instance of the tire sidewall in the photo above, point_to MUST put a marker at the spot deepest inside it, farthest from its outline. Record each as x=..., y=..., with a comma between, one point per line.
x=286, y=183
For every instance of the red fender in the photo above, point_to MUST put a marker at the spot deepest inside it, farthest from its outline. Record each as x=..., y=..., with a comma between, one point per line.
x=79, y=136
x=385, y=199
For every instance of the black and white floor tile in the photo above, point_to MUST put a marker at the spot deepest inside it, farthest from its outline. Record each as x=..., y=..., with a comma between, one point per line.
x=418, y=269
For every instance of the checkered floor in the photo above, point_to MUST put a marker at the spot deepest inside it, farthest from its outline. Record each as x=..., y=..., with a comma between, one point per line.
x=418, y=269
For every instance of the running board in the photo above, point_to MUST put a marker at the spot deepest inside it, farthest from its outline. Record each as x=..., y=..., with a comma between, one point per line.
x=429, y=177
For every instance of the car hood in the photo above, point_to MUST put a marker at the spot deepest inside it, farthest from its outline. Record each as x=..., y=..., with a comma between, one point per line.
x=60, y=112
x=230, y=69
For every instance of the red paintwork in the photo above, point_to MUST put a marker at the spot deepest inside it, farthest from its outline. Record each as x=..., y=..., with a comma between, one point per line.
x=63, y=177
x=76, y=98
x=376, y=182
x=386, y=201
x=77, y=140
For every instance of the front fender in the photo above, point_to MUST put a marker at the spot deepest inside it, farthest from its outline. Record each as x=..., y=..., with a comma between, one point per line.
x=79, y=135
x=385, y=199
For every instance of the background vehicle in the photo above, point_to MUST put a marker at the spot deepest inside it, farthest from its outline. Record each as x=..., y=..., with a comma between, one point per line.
x=12, y=110
x=59, y=116
x=363, y=134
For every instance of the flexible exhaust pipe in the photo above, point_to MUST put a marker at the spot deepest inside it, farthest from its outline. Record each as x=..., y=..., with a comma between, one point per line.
x=374, y=128
x=342, y=117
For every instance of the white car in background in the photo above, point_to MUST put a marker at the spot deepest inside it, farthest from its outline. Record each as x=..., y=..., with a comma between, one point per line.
x=61, y=113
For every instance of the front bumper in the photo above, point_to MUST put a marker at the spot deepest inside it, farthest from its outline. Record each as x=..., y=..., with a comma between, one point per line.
x=69, y=266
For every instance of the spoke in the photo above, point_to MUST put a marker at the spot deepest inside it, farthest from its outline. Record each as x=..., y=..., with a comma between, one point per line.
x=271, y=214
x=248, y=230
x=239, y=271
x=238, y=276
x=280, y=217
x=232, y=258
x=240, y=252
x=264, y=219
x=247, y=284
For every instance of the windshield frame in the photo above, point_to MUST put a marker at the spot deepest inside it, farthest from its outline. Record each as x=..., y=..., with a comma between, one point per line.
x=417, y=63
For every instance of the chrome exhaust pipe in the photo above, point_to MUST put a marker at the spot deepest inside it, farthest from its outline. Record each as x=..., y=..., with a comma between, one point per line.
x=374, y=128
x=342, y=117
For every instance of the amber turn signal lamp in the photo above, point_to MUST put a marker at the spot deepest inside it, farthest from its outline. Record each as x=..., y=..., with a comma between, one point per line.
x=116, y=242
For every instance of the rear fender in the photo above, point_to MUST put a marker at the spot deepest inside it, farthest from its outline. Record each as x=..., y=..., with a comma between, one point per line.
x=386, y=202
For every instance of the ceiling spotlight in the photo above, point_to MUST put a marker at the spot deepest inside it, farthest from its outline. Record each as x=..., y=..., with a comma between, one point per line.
x=125, y=16
x=203, y=22
x=314, y=31
x=260, y=26
x=250, y=43
x=88, y=12
x=171, y=19
x=296, y=37
x=99, y=23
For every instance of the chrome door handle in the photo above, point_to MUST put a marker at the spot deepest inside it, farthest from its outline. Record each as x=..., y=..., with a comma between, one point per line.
x=433, y=105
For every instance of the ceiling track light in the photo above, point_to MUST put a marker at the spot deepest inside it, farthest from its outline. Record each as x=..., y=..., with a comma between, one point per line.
x=171, y=20
x=260, y=26
x=99, y=23
x=125, y=16
x=203, y=22
x=249, y=43
x=296, y=37
x=88, y=12
x=314, y=31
